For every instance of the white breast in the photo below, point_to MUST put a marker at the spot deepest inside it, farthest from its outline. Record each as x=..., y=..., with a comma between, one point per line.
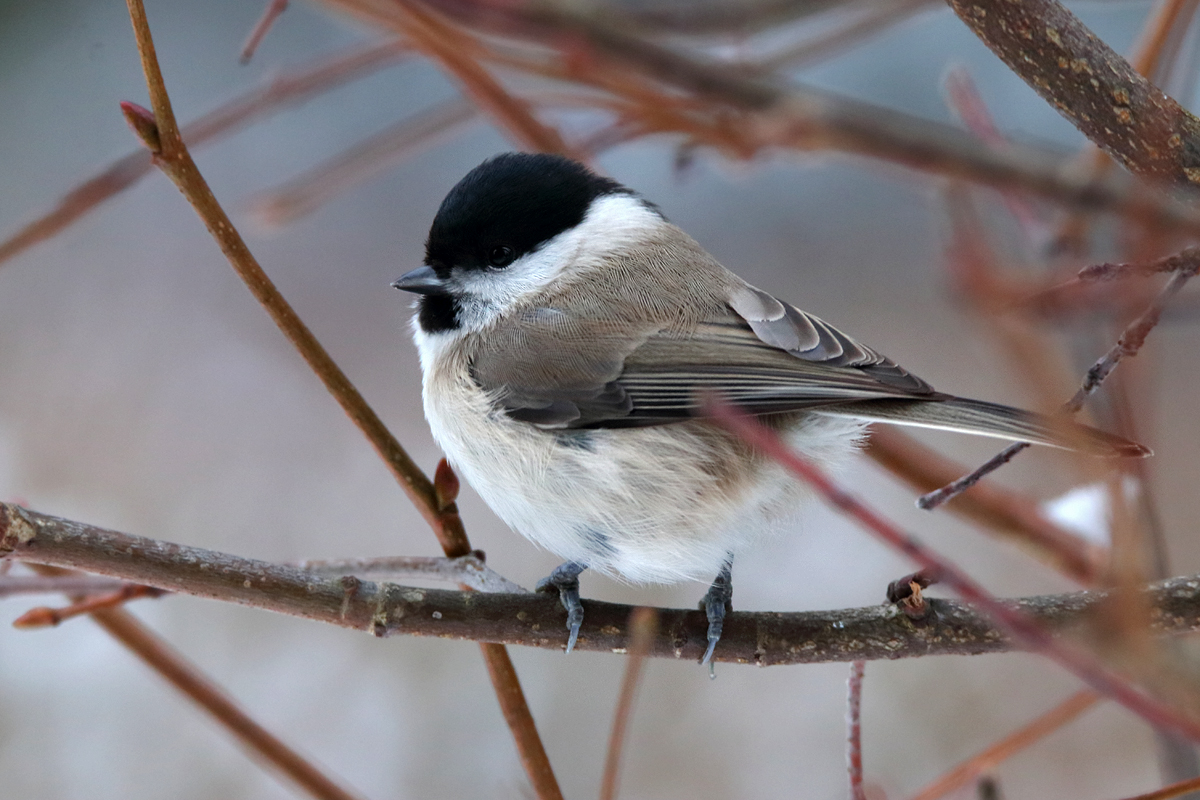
x=659, y=504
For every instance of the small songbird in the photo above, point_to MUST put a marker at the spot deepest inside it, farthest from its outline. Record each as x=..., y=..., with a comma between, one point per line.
x=568, y=335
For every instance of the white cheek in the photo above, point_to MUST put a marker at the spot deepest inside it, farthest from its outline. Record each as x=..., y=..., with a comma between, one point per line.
x=615, y=222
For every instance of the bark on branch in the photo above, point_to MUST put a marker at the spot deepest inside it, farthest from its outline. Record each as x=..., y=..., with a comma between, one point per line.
x=532, y=620
x=1091, y=85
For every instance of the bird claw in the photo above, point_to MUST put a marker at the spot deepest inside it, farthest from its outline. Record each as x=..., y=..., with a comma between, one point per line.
x=565, y=580
x=717, y=601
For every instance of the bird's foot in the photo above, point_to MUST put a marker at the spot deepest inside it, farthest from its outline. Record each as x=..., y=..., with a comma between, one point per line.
x=716, y=602
x=565, y=580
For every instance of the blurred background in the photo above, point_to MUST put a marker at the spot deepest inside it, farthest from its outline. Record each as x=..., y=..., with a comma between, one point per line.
x=144, y=390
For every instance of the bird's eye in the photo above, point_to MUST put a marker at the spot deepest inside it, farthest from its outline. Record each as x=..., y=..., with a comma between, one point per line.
x=501, y=255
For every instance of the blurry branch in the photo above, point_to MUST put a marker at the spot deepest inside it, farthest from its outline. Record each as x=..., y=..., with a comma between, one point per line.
x=173, y=667
x=643, y=623
x=877, y=16
x=1110, y=272
x=535, y=620
x=459, y=54
x=854, y=762
x=764, y=114
x=711, y=16
x=305, y=193
x=1179, y=715
x=979, y=280
x=1007, y=513
x=276, y=95
x=1130, y=342
x=181, y=674
x=987, y=760
x=964, y=100
x=434, y=499
x=1174, y=790
x=1091, y=85
x=272, y=12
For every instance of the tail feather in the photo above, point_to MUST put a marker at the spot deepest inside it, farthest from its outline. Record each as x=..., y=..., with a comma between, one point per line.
x=991, y=419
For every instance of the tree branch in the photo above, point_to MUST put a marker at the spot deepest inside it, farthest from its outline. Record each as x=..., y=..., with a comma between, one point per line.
x=1091, y=85
x=536, y=620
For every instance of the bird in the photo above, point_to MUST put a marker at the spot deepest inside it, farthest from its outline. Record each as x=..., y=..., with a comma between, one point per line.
x=569, y=335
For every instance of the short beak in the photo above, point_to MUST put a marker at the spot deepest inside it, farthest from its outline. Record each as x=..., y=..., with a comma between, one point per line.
x=422, y=280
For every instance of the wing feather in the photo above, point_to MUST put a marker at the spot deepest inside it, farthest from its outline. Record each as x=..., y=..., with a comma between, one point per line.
x=555, y=370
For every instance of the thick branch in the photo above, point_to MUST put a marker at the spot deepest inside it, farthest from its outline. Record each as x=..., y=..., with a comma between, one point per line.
x=533, y=620
x=1091, y=85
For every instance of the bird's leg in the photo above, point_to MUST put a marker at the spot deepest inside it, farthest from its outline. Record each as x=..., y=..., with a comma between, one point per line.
x=716, y=601
x=565, y=580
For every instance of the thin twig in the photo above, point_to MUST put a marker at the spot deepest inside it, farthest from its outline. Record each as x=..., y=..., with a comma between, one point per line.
x=994, y=507
x=161, y=135
x=1187, y=259
x=876, y=17
x=643, y=624
x=854, y=763
x=1020, y=626
x=1000, y=751
x=306, y=193
x=172, y=157
x=276, y=95
x=520, y=721
x=1128, y=344
x=188, y=679
x=963, y=98
x=534, y=620
x=272, y=12
x=176, y=669
x=458, y=53
x=1168, y=792
x=45, y=617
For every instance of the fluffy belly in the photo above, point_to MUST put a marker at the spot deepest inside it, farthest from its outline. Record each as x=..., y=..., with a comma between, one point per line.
x=659, y=504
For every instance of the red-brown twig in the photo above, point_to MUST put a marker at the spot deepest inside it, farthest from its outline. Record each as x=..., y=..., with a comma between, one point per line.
x=176, y=669
x=160, y=133
x=271, y=13
x=459, y=54
x=1167, y=792
x=1128, y=344
x=1021, y=626
x=276, y=95
x=875, y=17
x=779, y=114
x=854, y=762
x=998, y=752
x=643, y=625
x=45, y=617
x=996, y=508
x=963, y=98
x=184, y=676
x=306, y=193
x=1110, y=272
